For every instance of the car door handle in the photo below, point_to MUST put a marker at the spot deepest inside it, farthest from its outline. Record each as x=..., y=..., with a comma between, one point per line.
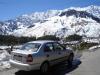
x=47, y=55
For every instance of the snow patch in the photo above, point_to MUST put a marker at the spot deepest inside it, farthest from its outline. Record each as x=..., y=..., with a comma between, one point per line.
x=93, y=48
x=4, y=60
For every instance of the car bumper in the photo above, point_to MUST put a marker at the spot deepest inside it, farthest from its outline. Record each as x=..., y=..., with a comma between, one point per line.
x=25, y=67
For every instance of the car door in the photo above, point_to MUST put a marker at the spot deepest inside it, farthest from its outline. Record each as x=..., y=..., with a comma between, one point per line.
x=60, y=51
x=50, y=54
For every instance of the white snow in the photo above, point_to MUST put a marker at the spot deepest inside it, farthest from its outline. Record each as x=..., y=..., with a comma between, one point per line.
x=4, y=65
x=4, y=47
x=71, y=24
x=93, y=48
x=5, y=56
x=4, y=60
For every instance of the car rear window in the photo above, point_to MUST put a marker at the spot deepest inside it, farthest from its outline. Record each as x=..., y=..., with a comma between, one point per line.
x=31, y=47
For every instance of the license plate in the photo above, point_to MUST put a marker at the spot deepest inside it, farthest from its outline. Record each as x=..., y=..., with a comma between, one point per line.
x=17, y=57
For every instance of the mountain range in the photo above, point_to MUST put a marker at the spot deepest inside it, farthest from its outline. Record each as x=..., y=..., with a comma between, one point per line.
x=74, y=20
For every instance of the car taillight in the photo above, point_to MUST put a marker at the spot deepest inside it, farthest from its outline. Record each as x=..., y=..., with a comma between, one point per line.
x=29, y=58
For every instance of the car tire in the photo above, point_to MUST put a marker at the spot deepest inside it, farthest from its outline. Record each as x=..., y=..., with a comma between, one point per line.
x=70, y=60
x=44, y=68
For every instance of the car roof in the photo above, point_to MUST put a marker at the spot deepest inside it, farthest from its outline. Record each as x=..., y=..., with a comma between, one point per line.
x=42, y=41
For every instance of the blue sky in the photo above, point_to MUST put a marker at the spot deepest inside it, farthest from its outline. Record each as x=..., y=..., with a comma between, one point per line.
x=10, y=9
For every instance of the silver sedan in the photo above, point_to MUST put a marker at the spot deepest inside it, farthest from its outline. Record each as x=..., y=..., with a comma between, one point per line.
x=40, y=55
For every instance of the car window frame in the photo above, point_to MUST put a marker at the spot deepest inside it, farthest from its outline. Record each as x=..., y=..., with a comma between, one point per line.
x=48, y=50
x=59, y=45
x=23, y=47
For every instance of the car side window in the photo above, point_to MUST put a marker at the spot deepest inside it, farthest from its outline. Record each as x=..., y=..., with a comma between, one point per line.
x=58, y=47
x=48, y=47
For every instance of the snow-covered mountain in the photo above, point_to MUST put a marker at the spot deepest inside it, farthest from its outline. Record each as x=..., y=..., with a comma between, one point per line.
x=83, y=21
x=25, y=21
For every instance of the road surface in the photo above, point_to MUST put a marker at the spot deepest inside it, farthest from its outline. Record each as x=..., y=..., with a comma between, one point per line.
x=89, y=64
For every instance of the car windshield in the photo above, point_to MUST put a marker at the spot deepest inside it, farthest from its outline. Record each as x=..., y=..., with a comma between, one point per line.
x=31, y=47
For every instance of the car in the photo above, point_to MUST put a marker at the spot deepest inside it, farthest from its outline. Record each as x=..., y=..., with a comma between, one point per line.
x=40, y=55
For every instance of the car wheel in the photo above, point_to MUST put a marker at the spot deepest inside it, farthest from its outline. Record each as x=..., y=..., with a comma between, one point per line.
x=70, y=60
x=44, y=68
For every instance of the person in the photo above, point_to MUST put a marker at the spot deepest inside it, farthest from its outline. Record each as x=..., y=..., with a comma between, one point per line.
x=11, y=47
